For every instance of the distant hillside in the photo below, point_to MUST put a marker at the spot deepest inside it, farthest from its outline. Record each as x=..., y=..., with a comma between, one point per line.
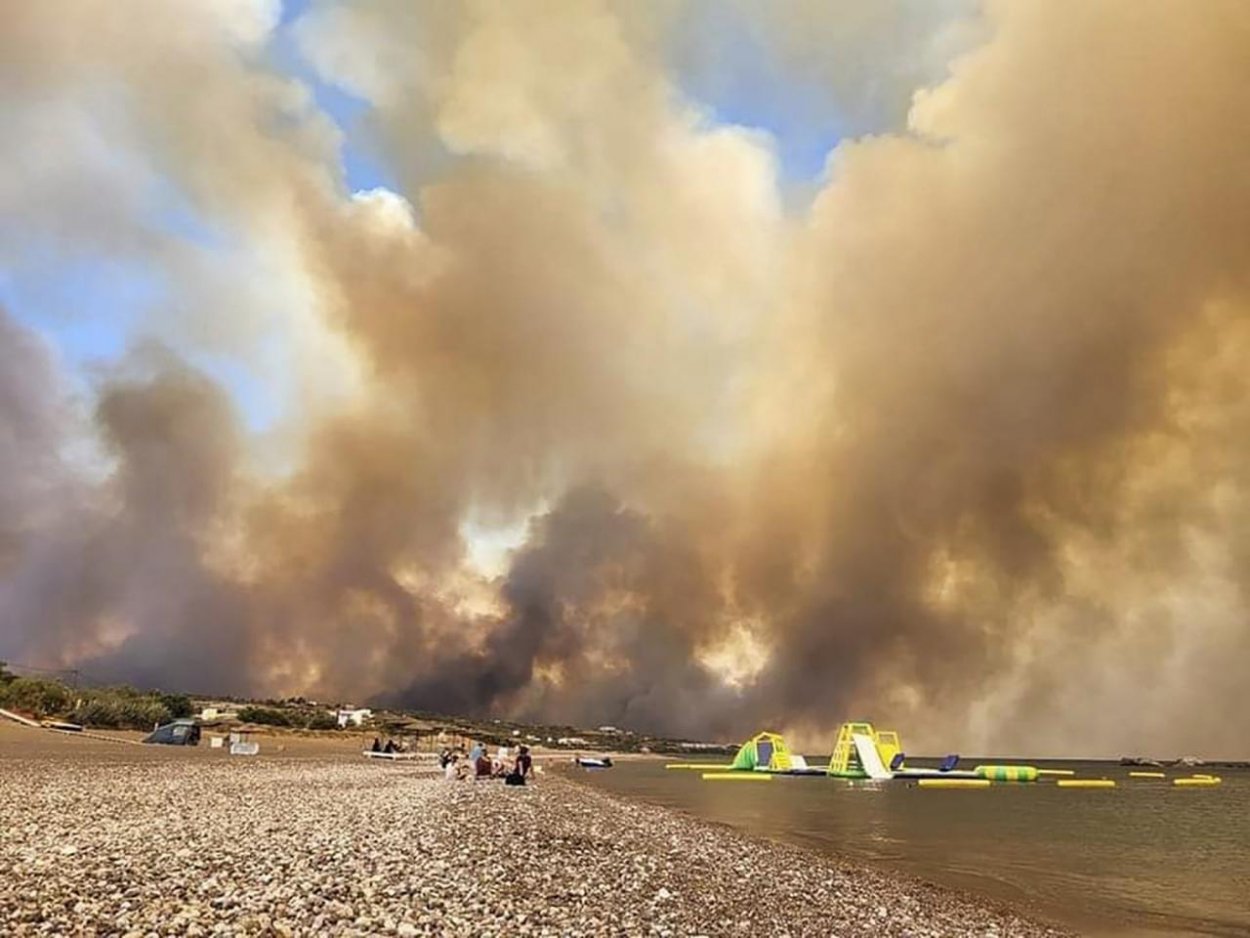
x=123, y=707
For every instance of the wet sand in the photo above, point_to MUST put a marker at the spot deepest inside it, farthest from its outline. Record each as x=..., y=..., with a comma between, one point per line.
x=106, y=838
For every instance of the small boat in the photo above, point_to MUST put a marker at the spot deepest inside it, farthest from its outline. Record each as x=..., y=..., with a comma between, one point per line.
x=589, y=762
x=62, y=727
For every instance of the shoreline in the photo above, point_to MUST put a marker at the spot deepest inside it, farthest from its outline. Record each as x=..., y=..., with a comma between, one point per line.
x=1020, y=912
x=137, y=841
x=971, y=911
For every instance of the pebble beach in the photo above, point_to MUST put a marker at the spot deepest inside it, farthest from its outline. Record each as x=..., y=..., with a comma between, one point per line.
x=111, y=839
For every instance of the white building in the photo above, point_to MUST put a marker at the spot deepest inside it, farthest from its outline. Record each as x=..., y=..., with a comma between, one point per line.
x=351, y=716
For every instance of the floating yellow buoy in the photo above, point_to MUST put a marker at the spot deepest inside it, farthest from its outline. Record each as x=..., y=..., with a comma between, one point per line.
x=1197, y=782
x=954, y=783
x=1056, y=771
x=1147, y=775
x=1007, y=773
x=1086, y=783
x=737, y=777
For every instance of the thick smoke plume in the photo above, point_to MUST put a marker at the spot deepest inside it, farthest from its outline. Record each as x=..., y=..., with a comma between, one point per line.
x=956, y=441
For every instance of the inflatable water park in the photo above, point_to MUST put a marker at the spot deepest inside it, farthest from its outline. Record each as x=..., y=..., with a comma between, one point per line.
x=862, y=752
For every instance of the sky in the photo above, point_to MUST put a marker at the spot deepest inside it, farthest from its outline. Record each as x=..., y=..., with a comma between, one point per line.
x=688, y=366
x=87, y=308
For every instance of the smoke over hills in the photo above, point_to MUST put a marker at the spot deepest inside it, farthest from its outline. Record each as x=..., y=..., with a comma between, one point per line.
x=958, y=443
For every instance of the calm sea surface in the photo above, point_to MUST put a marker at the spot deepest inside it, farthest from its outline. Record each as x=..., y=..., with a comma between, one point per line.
x=1143, y=859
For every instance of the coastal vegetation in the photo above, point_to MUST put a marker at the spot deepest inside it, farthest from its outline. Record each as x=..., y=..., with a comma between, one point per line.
x=112, y=707
x=125, y=707
x=301, y=718
x=265, y=716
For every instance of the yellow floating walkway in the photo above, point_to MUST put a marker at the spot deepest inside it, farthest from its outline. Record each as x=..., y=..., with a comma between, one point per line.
x=1197, y=781
x=1086, y=783
x=737, y=777
x=1056, y=771
x=954, y=783
x=1147, y=775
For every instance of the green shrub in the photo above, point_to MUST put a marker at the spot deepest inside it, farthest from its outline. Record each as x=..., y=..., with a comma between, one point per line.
x=120, y=708
x=178, y=705
x=37, y=695
x=264, y=715
x=320, y=720
x=98, y=711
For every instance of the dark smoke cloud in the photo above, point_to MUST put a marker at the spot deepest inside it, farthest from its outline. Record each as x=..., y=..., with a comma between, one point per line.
x=612, y=609
x=123, y=562
x=30, y=419
x=959, y=446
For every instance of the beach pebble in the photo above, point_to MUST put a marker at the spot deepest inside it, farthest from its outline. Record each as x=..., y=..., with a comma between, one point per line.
x=139, y=846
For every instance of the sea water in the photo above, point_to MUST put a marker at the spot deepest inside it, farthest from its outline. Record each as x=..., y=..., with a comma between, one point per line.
x=1144, y=858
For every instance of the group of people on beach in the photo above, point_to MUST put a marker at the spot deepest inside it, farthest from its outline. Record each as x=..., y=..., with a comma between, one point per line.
x=477, y=764
x=390, y=746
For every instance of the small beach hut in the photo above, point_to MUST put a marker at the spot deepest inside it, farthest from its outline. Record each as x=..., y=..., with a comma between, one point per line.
x=763, y=752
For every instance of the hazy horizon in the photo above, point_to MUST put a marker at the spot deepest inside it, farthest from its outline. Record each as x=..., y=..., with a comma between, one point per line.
x=689, y=366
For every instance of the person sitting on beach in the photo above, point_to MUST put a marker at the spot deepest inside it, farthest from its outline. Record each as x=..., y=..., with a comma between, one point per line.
x=521, y=769
x=389, y=747
x=481, y=766
x=444, y=757
x=377, y=744
x=451, y=771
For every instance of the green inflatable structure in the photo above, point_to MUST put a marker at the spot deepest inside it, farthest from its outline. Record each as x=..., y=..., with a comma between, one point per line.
x=764, y=752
